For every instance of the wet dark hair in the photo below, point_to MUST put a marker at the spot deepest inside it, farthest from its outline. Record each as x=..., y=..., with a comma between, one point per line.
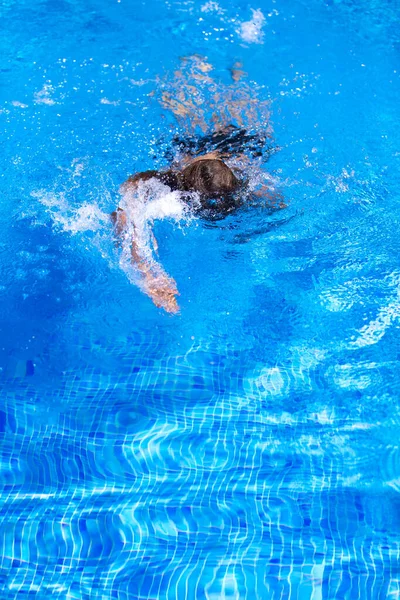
x=231, y=141
x=211, y=178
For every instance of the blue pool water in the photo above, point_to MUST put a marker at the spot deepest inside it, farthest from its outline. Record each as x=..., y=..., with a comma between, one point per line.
x=247, y=447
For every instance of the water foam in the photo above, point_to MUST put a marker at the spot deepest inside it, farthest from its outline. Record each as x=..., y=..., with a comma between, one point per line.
x=252, y=31
x=87, y=217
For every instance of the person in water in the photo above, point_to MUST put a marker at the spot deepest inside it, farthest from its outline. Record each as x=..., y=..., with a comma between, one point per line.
x=216, y=190
x=202, y=180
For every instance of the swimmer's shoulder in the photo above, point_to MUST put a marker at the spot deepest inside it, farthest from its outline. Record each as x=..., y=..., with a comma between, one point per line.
x=170, y=178
x=133, y=180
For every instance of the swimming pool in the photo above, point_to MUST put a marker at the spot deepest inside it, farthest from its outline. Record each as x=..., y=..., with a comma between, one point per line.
x=247, y=447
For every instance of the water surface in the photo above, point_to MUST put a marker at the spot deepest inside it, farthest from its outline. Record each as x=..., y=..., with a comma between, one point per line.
x=249, y=446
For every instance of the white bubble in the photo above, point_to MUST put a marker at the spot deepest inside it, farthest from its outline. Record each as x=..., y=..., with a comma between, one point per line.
x=251, y=31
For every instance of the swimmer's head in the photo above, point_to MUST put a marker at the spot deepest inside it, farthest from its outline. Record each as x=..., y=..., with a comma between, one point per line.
x=211, y=178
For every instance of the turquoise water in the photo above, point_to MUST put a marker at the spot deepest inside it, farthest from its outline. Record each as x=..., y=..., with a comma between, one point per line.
x=247, y=447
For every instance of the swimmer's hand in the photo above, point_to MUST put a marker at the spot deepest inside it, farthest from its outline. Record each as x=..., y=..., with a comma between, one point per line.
x=163, y=291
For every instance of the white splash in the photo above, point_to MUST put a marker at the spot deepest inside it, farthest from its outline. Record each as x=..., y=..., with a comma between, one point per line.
x=44, y=95
x=212, y=6
x=110, y=102
x=150, y=201
x=252, y=31
x=87, y=217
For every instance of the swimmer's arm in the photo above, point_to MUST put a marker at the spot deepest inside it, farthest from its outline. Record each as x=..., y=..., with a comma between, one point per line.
x=159, y=286
x=156, y=283
x=118, y=218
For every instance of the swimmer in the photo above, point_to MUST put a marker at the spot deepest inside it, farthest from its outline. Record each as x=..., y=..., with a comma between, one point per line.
x=208, y=185
x=215, y=187
x=200, y=179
